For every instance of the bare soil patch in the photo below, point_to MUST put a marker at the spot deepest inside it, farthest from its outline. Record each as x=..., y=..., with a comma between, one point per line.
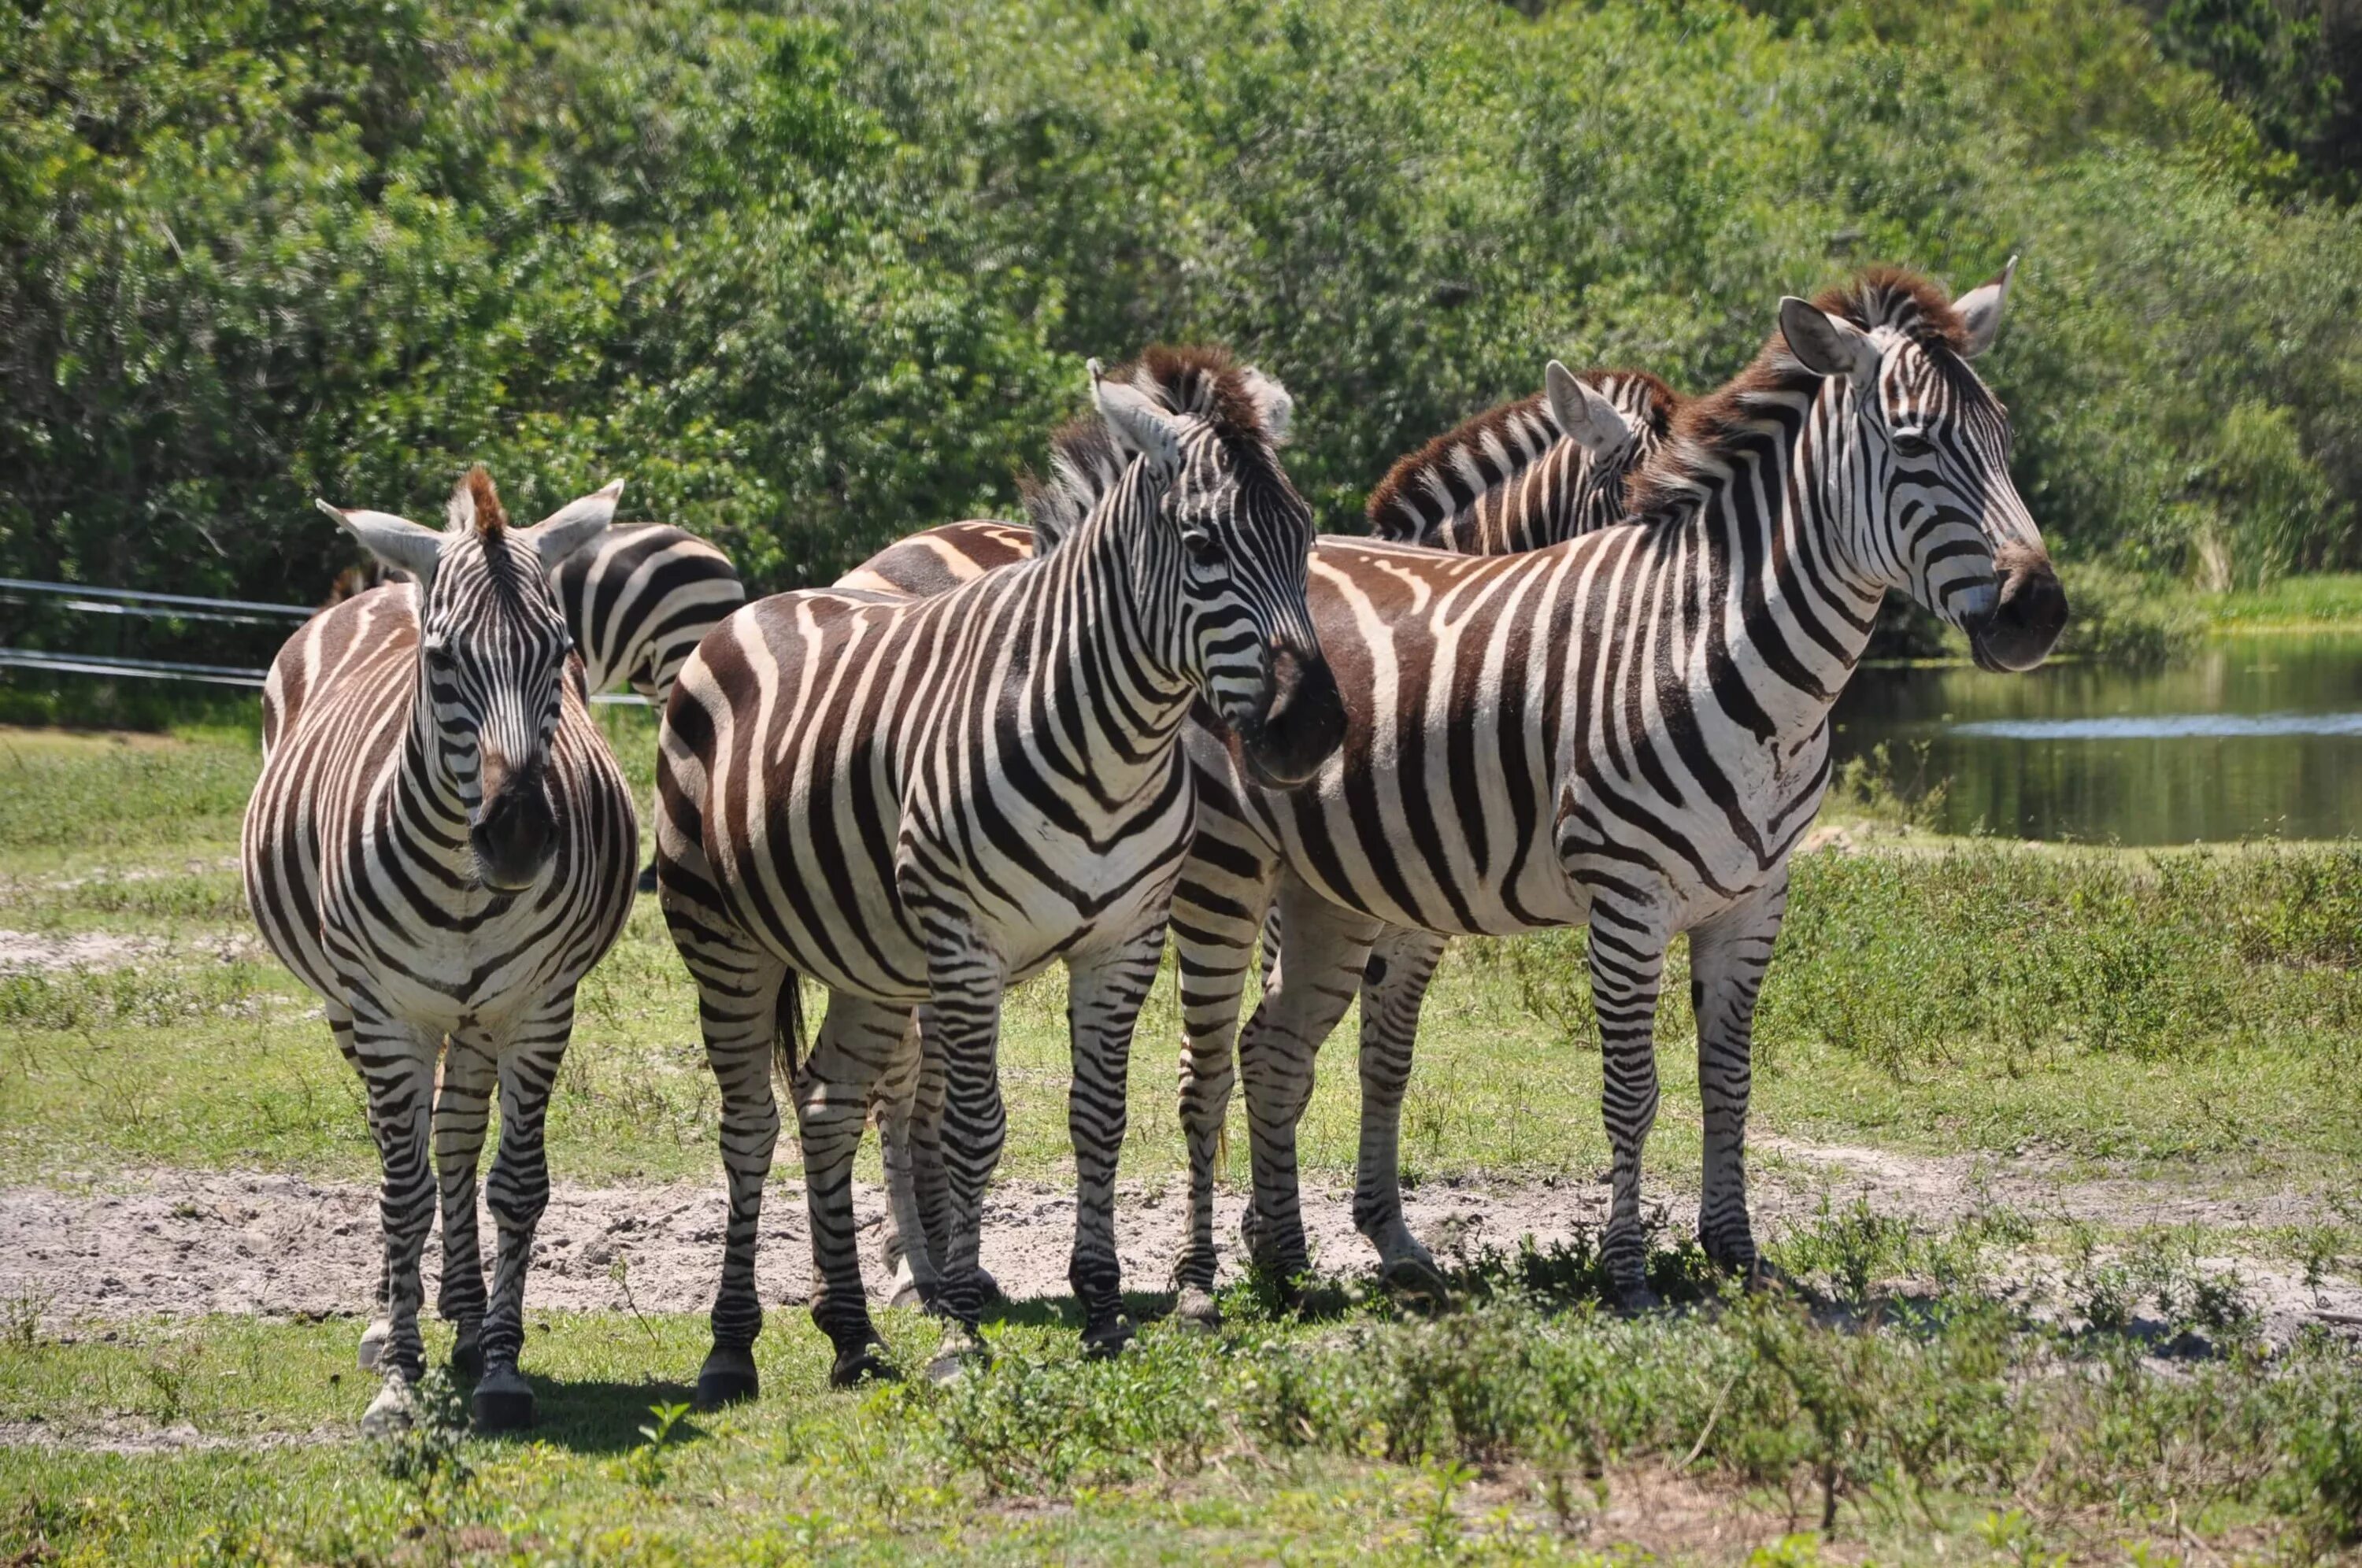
x=177, y=1242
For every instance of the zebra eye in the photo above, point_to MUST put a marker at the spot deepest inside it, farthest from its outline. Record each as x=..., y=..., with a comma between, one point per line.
x=1910, y=444
x=1201, y=546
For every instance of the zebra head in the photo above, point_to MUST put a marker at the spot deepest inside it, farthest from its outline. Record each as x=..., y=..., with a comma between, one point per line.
x=1919, y=465
x=493, y=658
x=1227, y=552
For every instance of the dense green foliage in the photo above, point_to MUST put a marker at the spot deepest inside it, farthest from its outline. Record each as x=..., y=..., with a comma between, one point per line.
x=814, y=275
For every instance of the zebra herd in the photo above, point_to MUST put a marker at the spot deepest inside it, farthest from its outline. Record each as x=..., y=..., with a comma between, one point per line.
x=1581, y=677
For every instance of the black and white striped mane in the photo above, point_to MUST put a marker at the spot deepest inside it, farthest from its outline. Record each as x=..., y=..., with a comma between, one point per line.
x=1242, y=407
x=1707, y=428
x=1459, y=468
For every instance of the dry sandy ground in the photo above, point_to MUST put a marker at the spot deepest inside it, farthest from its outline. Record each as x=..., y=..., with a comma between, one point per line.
x=181, y=1243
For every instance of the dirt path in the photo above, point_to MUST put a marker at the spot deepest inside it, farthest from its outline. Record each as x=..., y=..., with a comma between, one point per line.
x=181, y=1243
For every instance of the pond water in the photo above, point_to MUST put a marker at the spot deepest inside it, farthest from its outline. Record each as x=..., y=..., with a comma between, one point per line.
x=2254, y=736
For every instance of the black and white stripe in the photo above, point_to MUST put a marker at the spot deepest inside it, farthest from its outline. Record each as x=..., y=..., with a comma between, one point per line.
x=917, y=802
x=441, y=845
x=1628, y=732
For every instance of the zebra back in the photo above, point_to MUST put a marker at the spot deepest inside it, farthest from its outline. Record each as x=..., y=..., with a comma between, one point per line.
x=638, y=599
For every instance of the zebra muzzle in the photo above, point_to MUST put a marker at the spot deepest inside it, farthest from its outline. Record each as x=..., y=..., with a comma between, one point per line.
x=1301, y=726
x=515, y=834
x=2028, y=614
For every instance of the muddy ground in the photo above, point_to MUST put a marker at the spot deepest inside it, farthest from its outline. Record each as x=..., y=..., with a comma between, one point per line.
x=182, y=1243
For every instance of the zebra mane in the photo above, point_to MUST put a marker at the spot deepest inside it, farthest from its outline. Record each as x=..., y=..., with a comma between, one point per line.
x=1708, y=426
x=1451, y=473
x=475, y=506
x=1246, y=410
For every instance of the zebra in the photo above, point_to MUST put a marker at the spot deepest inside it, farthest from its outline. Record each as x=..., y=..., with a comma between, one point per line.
x=1628, y=732
x=1529, y=472
x=918, y=802
x=441, y=845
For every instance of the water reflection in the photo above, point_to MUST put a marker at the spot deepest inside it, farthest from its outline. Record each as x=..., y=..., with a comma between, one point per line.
x=2255, y=735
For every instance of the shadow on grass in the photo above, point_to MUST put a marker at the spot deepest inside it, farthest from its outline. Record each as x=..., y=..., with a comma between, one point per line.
x=599, y=1417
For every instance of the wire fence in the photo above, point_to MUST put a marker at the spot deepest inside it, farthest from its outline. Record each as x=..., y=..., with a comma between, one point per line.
x=84, y=599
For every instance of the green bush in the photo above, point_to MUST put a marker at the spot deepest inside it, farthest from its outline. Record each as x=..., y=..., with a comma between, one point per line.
x=813, y=281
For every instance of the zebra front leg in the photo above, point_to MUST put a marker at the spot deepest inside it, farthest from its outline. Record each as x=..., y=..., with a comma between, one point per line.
x=462, y=1111
x=966, y=980
x=1213, y=922
x=1394, y=984
x=380, y=1330
x=908, y=1254
x=397, y=1064
x=1320, y=968
x=1104, y=996
x=517, y=1194
x=859, y=1041
x=1728, y=957
x=1627, y=963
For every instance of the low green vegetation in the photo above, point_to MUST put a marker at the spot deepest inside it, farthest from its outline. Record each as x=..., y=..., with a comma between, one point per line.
x=1523, y=1425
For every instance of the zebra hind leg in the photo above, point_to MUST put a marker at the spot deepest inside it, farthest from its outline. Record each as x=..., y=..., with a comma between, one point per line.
x=1394, y=984
x=907, y=1252
x=859, y=1043
x=380, y=1331
x=1727, y=959
x=966, y=982
x=517, y=1195
x=462, y=1111
x=1105, y=993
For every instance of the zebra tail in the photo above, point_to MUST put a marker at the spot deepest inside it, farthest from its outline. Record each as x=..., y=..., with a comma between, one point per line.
x=787, y=1034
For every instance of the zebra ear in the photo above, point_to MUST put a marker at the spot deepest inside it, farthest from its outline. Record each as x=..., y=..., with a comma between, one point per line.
x=1137, y=422
x=1274, y=404
x=573, y=526
x=397, y=541
x=1825, y=344
x=1595, y=423
x=1980, y=309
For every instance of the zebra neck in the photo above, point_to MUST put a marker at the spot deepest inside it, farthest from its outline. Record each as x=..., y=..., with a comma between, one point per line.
x=1773, y=569
x=1108, y=687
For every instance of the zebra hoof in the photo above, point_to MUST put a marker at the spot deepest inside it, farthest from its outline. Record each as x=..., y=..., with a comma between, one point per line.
x=961, y=1348
x=374, y=1339
x=1635, y=1298
x=1105, y=1342
x=907, y=1291
x=1194, y=1309
x=503, y=1401
x=986, y=1287
x=854, y=1367
x=728, y=1377
x=391, y=1413
x=1418, y=1281
x=468, y=1355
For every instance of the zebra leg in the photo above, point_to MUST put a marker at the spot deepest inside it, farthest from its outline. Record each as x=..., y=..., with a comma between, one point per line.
x=1627, y=963
x=1728, y=956
x=379, y=1330
x=1318, y=968
x=908, y=1255
x=859, y=1042
x=517, y=1194
x=1104, y=996
x=966, y=980
x=738, y=1000
x=397, y=1064
x=461, y=1113
x=1394, y=984
x=1216, y=911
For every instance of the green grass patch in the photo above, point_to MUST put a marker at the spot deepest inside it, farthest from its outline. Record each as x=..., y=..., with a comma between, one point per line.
x=2322, y=601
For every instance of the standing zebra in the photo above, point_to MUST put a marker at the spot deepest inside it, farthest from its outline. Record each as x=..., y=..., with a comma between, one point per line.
x=1535, y=471
x=1628, y=732
x=441, y=846
x=921, y=801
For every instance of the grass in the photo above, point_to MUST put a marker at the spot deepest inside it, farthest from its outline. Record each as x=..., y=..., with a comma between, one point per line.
x=2191, y=1016
x=2324, y=601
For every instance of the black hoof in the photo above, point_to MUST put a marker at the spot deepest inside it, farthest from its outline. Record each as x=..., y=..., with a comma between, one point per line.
x=1631, y=1300
x=1416, y=1283
x=468, y=1360
x=1195, y=1308
x=854, y=1368
x=728, y=1377
x=1105, y=1342
x=504, y=1407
